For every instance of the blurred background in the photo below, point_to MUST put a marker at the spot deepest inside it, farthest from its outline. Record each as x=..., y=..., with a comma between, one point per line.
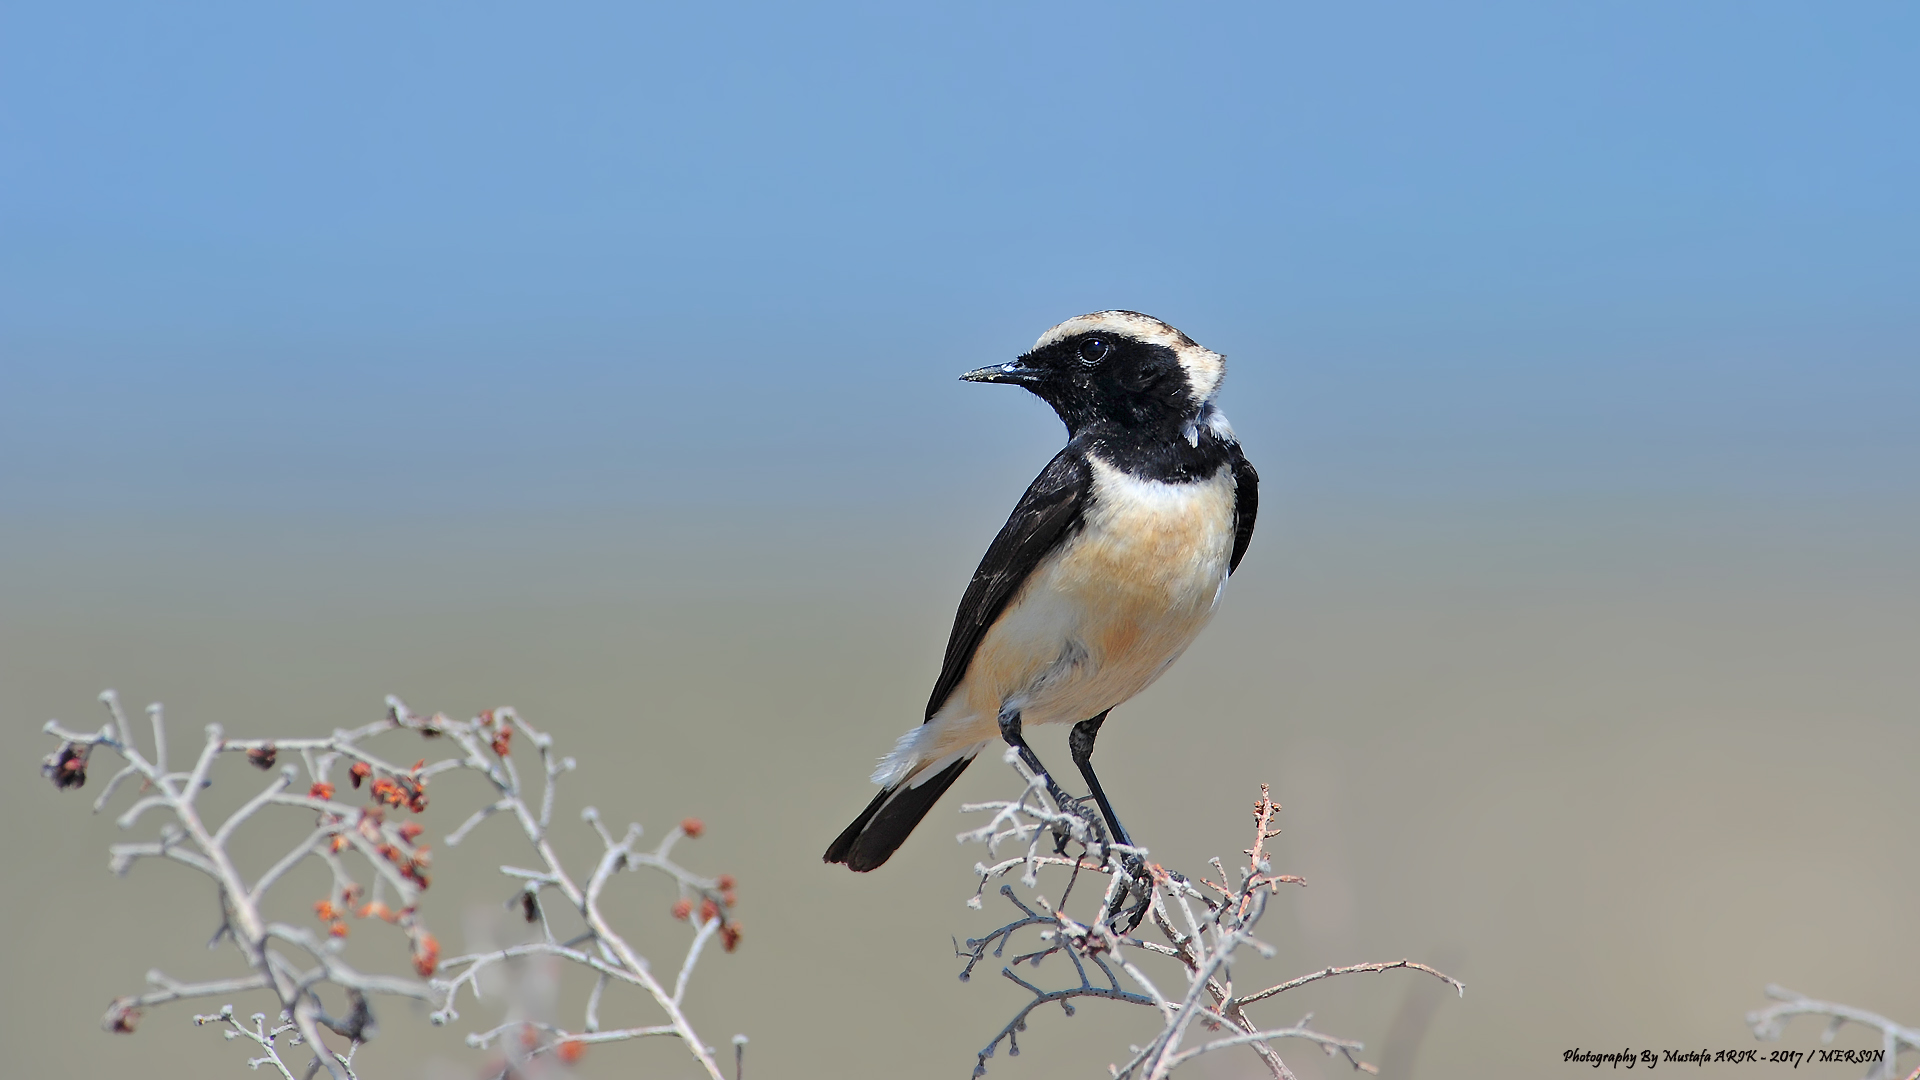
x=601, y=360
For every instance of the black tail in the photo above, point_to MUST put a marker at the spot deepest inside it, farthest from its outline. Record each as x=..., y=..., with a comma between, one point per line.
x=884, y=825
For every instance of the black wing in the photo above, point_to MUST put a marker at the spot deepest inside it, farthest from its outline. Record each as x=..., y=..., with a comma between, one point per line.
x=1246, y=505
x=1047, y=515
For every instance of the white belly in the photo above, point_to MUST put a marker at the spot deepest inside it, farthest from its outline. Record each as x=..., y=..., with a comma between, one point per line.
x=1098, y=622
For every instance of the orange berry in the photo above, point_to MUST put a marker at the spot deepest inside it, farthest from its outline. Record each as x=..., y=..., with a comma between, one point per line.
x=693, y=827
x=725, y=882
x=570, y=1050
x=426, y=955
x=338, y=929
x=320, y=790
x=730, y=936
x=708, y=909
x=324, y=910
x=682, y=908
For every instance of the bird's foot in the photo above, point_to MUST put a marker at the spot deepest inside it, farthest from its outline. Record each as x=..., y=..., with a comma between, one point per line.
x=1139, y=885
x=1096, y=832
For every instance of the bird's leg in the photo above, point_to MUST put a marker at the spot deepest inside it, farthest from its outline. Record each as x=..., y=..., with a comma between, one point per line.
x=1010, y=731
x=1080, y=745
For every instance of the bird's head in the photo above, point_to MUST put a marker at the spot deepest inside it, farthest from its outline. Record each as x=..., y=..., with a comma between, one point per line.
x=1115, y=367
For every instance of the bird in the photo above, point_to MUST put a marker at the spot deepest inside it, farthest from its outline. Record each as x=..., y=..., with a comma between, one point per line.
x=1107, y=569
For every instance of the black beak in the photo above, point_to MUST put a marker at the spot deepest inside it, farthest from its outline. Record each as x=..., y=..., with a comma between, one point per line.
x=1013, y=371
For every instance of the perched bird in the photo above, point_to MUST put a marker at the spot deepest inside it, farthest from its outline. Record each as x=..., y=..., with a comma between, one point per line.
x=1111, y=564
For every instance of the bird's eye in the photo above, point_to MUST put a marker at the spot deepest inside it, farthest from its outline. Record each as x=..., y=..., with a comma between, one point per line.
x=1093, y=350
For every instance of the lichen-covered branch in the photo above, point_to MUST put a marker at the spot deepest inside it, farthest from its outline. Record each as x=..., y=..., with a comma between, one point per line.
x=381, y=844
x=1199, y=929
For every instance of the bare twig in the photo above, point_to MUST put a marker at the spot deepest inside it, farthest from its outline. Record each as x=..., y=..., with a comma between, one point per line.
x=1769, y=1023
x=1199, y=933
x=295, y=964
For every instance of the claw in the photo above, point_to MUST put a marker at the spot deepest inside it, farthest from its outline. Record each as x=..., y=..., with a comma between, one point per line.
x=1061, y=837
x=1139, y=912
x=1139, y=886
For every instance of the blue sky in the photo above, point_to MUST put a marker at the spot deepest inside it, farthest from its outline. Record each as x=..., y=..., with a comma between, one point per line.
x=294, y=257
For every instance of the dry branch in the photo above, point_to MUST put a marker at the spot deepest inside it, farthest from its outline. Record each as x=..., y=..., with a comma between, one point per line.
x=295, y=964
x=1200, y=931
x=1769, y=1023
